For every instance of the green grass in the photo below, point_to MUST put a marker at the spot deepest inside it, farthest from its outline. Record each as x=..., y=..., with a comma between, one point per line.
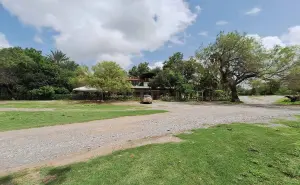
x=65, y=105
x=64, y=113
x=286, y=101
x=22, y=120
x=226, y=154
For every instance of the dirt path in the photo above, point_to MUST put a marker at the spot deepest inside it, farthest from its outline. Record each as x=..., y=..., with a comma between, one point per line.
x=26, y=148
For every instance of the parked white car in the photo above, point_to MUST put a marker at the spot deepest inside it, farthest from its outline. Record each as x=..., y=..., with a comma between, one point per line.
x=147, y=99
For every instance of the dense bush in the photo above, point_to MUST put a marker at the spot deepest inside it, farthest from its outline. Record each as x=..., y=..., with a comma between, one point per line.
x=61, y=90
x=284, y=91
x=43, y=93
x=167, y=98
x=220, y=95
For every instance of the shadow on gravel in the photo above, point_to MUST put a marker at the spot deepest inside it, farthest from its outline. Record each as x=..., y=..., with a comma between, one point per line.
x=56, y=176
x=272, y=106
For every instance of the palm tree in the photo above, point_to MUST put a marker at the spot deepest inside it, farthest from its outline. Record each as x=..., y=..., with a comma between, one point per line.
x=58, y=57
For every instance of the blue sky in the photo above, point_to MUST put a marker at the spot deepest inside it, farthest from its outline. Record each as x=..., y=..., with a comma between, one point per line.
x=268, y=18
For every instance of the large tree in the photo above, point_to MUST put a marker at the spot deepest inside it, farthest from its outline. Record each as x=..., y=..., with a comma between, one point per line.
x=239, y=57
x=23, y=70
x=292, y=80
x=137, y=71
x=109, y=76
x=178, y=74
x=14, y=65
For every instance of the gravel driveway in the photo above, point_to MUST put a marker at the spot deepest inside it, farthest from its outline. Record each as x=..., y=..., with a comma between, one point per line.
x=25, y=148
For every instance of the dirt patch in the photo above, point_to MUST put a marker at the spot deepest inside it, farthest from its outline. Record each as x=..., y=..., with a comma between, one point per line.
x=101, y=151
x=26, y=109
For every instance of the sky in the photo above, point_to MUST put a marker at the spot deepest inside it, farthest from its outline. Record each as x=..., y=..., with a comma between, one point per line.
x=134, y=31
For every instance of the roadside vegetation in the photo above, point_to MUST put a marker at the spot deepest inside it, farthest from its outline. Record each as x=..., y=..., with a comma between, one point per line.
x=62, y=112
x=225, y=154
x=287, y=101
x=218, y=71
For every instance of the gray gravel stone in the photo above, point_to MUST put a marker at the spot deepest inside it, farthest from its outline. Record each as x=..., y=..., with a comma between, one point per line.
x=33, y=146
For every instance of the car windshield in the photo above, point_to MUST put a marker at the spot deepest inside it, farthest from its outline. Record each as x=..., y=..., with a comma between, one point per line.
x=147, y=96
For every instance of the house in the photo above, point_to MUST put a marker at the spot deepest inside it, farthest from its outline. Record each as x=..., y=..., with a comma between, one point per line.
x=140, y=86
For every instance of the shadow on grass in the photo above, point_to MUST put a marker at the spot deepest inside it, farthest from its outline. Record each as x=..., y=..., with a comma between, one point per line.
x=7, y=180
x=56, y=176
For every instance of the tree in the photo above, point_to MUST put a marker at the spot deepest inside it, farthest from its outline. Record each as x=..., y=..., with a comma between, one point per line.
x=292, y=80
x=174, y=62
x=177, y=74
x=133, y=72
x=23, y=70
x=156, y=70
x=58, y=57
x=82, y=76
x=109, y=76
x=239, y=57
x=14, y=65
x=137, y=71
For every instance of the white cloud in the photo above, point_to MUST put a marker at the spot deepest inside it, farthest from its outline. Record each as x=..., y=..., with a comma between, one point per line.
x=3, y=41
x=253, y=11
x=203, y=33
x=221, y=23
x=180, y=39
x=38, y=39
x=159, y=64
x=116, y=29
x=292, y=37
x=198, y=9
x=268, y=42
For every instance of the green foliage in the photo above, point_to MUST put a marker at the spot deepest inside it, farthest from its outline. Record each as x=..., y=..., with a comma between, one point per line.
x=178, y=75
x=58, y=57
x=109, y=76
x=239, y=57
x=61, y=90
x=27, y=70
x=137, y=71
x=43, y=93
x=167, y=98
x=292, y=80
x=284, y=91
x=287, y=101
x=233, y=59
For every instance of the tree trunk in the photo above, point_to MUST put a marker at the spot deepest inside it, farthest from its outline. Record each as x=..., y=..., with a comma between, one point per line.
x=234, y=94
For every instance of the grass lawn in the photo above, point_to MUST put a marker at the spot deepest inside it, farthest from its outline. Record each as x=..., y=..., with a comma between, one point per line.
x=226, y=154
x=286, y=101
x=64, y=113
x=66, y=105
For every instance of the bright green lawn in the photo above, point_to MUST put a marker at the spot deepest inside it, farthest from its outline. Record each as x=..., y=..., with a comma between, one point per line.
x=226, y=154
x=22, y=120
x=64, y=113
x=286, y=101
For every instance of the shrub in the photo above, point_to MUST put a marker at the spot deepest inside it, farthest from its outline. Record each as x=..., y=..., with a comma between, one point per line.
x=43, y=93
x=167, y=98
x=61, y=90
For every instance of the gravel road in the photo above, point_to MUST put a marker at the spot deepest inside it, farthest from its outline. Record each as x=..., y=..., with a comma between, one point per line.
x=25, y=148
